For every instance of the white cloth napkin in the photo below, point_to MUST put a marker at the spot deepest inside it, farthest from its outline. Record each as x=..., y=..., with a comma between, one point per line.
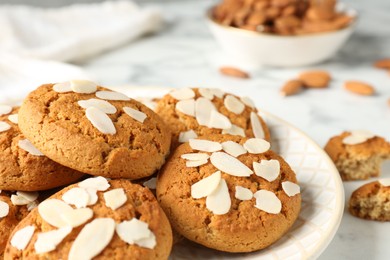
x=35, y=41
x=74, y=32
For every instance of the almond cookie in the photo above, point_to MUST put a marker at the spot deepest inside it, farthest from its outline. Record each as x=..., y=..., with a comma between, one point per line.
x=96, y=219
x=229, y=193
x=22, y=166
x=358, y=154
x=371, y=201
x=13, y=208
x=196, y=112
x=93, y=130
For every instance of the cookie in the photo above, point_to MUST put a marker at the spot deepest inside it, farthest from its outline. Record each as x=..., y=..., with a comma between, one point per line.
x=196, y=112
x=231, y=194
x=12, y=211
x=22, y=166
x=94, y=130
x=358, y=154
x=371, y=201
x=96, y=219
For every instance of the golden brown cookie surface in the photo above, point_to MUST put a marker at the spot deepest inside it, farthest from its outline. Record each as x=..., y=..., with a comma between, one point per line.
x=139, y=205
x=229, y=221
x=121, y=138
x=358, y=159
x=193, y=113
x=21, y=168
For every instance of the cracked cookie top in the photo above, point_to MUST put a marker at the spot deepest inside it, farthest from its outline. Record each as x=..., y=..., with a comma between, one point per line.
x=94, y=130
x=24, y=167
x=229, y=193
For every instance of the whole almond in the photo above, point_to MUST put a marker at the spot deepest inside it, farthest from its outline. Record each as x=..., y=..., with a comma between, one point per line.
x=234, y=72
x=359, y=87
x=383, y=64
x=315, y=79
x=291, y=87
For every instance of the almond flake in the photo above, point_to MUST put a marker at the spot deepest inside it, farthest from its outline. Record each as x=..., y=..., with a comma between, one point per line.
x=365, y=133
x=291, y=188
x=96, y=183
x=267, y=169
x=59, y=214
x=149, y=103
x=243, y=193
x=32, y=205
x=48, y=241
x=19, y=200
x=256, y=145
x=92, y=194
x=196, y=163
x=100, y=120
x=206, y=186
x=234, y=130
x=229, y=164
x=186, y=107
x=98, y=103
x=195, y=156
x=112, y=95
x=62, y=87
x=135, y=114
x=14, y=118
x=203, y=108
x=78, y=197
x=136, y=232
x=182, y=94
x=217, y=92
x=385, y=182
x=151, y=184
x=5, y=109
x=219, y=202
x=247, y=101
x=30, y=196
x=4, y=126
x=29, y=147
x=233, y=104
x=186, y=136
x=4, y=209
x=92, y=239
x=83, y=86
x=115, y=198
x=207, y=93
x=257, y=128
x=233, y=148
x=219, y=121
x=205, y=145
x=22, y=237
x=267, y=201
x=354, y=139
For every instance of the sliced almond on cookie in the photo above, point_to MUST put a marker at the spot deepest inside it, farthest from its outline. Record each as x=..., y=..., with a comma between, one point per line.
x=115, y=198
x=233, y=104
x=22, y=237
x=62, y=87
x=256, y=145
x=30, y=196
x=29, y=147
x=243, y=193
x=203, y=108
x=267, y=201
x=103, y=105
x=247, y=101
x=257, y=128
x=233, y=148
x=267, y=169
x=5, y=109
x=186, y=107
x=136, y=232
x=92, y=239
x=14, y=118
x=205, y=145
x=4, y=126
x=384, y=182
x=97, y=183
x=195, y=156
x=100, y=120
x=4, y=209
x=219, y=121
x=83, y=86
x=182, y=94
x=48, y=241
x=354, y=139
x=205, y=186
x=112, y=95
x=230, y=165
x=186, y=136
x=290, y=188
x=78, y=197
x=135, y=114
x=234, y=130
x=196, y=163
x=219, y=202
x=207, y=93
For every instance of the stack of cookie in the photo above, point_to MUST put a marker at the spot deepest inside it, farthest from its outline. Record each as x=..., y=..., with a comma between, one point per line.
x=358, y=155
x=222, y=188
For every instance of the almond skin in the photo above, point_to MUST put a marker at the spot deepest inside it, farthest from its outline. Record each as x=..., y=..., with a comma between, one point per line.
x=359, y=87
x=234, y=72
x=291, y=87
x=382, y=64
x=315, y=78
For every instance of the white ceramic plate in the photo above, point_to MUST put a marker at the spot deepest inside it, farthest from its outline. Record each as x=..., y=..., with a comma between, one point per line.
x=321, y=187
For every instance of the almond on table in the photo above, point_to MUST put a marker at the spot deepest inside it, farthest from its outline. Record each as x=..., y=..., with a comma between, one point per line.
x=291, y=87
x=234, y=72
x=382, y=64
x=359, y=87
x=315, y=78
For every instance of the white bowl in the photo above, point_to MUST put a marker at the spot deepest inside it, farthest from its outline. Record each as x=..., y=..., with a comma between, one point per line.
x=257, y=49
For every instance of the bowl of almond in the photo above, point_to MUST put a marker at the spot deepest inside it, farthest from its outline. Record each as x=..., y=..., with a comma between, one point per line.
x=281, y=33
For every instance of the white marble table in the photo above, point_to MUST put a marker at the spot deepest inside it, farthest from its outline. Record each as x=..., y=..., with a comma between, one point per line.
x=184, y=54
